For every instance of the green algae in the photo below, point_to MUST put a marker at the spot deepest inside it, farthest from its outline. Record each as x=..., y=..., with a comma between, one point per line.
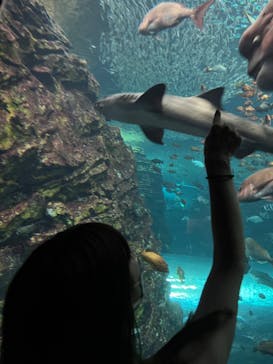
x=100, y=208
x=55, y=209
x=139, y=312
x=117, y=225
x=82, y=216
x=32, y=212
x=50, y=191
x=13, y=106
x=7, y=137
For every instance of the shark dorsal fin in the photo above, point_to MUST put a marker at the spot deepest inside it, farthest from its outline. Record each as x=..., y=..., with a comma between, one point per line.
x=152, y=98
x=153, y=134
x=214, y=96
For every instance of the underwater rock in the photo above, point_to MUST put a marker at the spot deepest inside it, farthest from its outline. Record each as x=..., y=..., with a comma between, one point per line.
x=54, y=147
x=61, y=164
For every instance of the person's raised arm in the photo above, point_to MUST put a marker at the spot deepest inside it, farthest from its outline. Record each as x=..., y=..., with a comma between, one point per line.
x=207, y=337
x=220, y=295
x=221, y=290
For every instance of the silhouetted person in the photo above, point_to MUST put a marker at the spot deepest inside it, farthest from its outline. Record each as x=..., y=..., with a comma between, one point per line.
x=73, y=299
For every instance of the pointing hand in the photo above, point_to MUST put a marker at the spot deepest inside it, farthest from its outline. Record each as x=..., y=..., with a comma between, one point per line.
x=222, y=139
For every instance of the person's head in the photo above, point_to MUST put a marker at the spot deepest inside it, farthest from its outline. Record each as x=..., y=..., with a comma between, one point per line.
x=256, y=45
x=72, y=300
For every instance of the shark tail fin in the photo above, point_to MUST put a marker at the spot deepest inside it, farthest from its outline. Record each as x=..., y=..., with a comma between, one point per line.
x=199, y=13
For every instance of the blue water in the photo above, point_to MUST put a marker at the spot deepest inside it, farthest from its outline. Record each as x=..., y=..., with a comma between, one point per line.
x=255, y=319
x=175, y=191
x=124, y=61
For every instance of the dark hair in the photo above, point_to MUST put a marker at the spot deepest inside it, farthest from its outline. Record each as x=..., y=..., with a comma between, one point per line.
x=70, y=301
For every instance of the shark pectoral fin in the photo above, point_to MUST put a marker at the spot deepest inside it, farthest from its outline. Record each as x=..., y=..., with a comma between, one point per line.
x=152, y=98
x=214, y=96
x=246, y=147
x=153, y=134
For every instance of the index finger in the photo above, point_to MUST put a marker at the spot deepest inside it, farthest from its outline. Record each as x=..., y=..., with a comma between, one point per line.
x=217, y=118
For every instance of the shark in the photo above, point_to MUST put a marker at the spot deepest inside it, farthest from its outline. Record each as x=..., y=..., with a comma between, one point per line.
x=154, y=111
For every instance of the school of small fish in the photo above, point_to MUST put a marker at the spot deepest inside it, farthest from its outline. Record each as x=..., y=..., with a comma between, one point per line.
x=123, y=50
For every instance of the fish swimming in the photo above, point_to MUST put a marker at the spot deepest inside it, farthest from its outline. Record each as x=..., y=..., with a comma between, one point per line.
x=216, y=68
x=256, y=45
x=256, y=252
x=250, y=18
x=155, y=111
x=169, y=14
x=263, y=278
x=197, y=163
x=258, y=186
x=264, y=106
x=256, y=219
x=155, y=260
x=265, y=347
x=181, y=274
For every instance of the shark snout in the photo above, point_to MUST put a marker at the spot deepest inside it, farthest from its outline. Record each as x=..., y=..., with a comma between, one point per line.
x=105, y=107
x=99, y=106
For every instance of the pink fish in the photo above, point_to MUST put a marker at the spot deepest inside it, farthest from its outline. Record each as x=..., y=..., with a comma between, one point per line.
x=256, y=45
x=169, y=14
x=258, y=186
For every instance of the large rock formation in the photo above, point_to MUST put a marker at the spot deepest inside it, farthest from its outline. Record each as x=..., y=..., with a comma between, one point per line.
x=60, y=163
x=83, y=22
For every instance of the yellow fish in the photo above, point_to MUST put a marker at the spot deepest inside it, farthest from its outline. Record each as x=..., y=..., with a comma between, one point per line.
x=155, y=260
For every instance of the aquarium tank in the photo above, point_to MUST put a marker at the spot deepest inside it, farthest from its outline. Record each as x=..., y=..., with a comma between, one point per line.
x=62, y=162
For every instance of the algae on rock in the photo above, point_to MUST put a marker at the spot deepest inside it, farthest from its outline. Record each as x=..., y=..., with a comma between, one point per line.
x=61, y=164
